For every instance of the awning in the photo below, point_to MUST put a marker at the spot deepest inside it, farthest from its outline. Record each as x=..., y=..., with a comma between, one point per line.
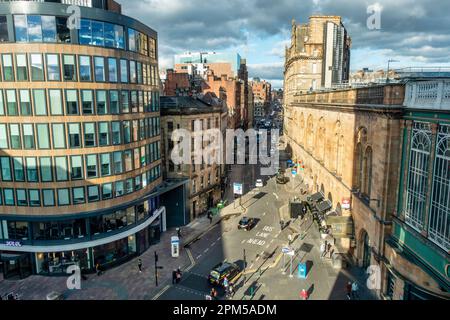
x=317, y=197
x=324, y=206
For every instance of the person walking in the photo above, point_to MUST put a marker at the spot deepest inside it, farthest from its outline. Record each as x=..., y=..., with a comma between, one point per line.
x=210, y=216
x=231, y=290
x=179, y=232
x=140, y=265
x=225, y=283
x=97, y=269
x=348, y=290
x=174, y=276
x=355, y=289
x=322, y=250
x=178, y=275
x=304, y=294
x=213, y=293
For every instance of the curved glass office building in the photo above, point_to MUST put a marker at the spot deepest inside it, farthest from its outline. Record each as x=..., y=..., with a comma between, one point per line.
x=79, y=136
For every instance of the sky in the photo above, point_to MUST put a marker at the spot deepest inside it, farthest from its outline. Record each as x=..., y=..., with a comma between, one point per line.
x=413, y=32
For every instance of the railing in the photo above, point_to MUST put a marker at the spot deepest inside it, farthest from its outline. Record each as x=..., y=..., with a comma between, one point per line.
x=428, y=94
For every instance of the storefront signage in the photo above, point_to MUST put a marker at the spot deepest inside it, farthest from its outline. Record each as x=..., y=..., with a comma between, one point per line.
x=13, y=243
x=345, y=203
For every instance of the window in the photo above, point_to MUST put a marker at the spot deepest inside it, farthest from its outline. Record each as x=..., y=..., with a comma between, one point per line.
x=417, y=185
x=20, y=28
x=37, y=67
x=91, y=166
x=19, y=174
x=116, y=137
x=135, y=130
x=101, y=102
x=40, y=102
x=62, y=31
x=72, y=102
x=125, y=101
x=55, y=98
x=103, y=134
x=129, y=186
x=21, y=67
x=25, y=103
x=9, y=197
x=28, y=136
x=63, y=197
x=8, y=72
x=61, y=169
x=78, y=195
x=117, y=158
x=126, y=131
x=123, y=71
x=112, y=69
x=48, y=197
x=131, y=39
x=89, y=135
x=14, y=135
x=59, y=136
x=128, y=160
x=53, y=73
x=32, y=173
x=74, y=135
x=114, y=101
x=35, y=199
x=119, y=188
x=11, y=103
x=43, y=137
x=139, y=72
x=21, y=195
x=3, y=137
x=93, y=193
x=152, y=48
x=3, y=36
x=45, y=165
x=76, y=167
x=105, y=164
x=2, y=106
x=85, y=68
x=87, y=99
x=48, y=28
x=134, y=101
x=97, y=33
x=99, y=69
x=5, y=164
x=107, y=191
x=69, y=68
x=133, y=76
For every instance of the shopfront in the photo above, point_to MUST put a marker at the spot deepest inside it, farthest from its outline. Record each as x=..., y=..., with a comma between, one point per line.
x=16, y=265
x=54, y=263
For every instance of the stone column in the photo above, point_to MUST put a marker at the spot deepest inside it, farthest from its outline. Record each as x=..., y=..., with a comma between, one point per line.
x=434, y=129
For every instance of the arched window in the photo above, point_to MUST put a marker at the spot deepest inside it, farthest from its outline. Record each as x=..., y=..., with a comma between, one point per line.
x=302, y=128
x=416, y=189
x=322, y=189
x=320, y=140
x=330, y=197
x=340, y=155
x=310, y=133
x=358, y=167
x=439, y=221
x=367, y=172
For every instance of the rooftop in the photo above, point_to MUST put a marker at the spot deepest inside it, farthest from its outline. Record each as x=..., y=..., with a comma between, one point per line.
x=187, y=104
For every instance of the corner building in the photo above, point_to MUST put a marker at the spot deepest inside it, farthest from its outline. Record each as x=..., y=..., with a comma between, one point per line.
x=79, y=138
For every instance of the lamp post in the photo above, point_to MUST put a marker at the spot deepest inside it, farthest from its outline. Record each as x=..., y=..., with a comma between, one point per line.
x=388, y=68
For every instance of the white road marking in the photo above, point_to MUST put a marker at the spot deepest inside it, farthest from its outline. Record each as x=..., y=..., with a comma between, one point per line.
x=263, y=214
x=243, y=241
x=267, y=247
x=198, y=257
x=256, y=260
x=212, y=244
x=206, y=250
x=218, y=238
x=250, y=266
x=276, y=196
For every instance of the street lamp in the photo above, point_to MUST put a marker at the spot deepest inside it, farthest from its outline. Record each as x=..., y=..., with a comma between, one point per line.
x=388, y=69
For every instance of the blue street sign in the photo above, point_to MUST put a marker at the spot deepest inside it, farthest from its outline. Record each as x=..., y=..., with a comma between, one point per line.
x=302, y=270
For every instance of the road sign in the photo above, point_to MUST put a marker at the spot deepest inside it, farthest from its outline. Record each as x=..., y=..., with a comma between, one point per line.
x=302, y=270
x=237, y=188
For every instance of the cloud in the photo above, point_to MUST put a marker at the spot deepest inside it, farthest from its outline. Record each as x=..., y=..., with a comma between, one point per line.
x=266, y=70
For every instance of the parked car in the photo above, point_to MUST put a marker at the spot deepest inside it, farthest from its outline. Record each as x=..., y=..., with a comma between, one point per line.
x=246, y=223
x=222, y=270
x=259, y=183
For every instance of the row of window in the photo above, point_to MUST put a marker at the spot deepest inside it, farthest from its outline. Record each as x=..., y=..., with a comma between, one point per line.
x=77, y=167
x=52, y=29
x=77, y=228
x=30, y=136
x=74, y=102
x=77, y=195
x=70, y=67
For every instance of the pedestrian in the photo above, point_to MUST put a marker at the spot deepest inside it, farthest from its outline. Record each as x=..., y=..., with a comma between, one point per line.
x=225, y=283
x=140, y=265
x=348, y=290
x=329, y=250
x=231, y=290
x=178, y=275
x=304, y=294
x=210, y=216
x=322, y=250
x=174, y=276
x=97, y=269
x=355, y=289
x=179, y=232
x=213, y=293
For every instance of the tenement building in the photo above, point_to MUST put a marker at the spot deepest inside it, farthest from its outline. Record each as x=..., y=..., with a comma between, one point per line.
x=194, y=114
x=417, y=252
x=318, y=57
x=348, y=142
x=79, y=138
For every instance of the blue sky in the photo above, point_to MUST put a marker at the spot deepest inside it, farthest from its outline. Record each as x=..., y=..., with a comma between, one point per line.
x=415, y=32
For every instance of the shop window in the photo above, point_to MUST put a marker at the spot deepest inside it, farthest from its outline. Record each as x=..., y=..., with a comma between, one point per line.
x=21, y=67
x=53, y=72
x=74, y=135
x=103, y=134
x=91, y=166
x=85, y=68
x=11, y=103
x=101, y=102
x=55, y=98
x=63, y=197
x=45, y=165
x=8, y=71
x=114, y=101
x=34, y=196
x=40, y=102
x=48, y=197
x=76, y=167
x=61, y=169
x=78, y=195
x=112, y=70
x=89, y=135
x=17, y=230
x=32, y=172
x=37, y=67
x=5, y=165
x=106, y=191
x=59, y=136
x=69, y=68
x=99, y=69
